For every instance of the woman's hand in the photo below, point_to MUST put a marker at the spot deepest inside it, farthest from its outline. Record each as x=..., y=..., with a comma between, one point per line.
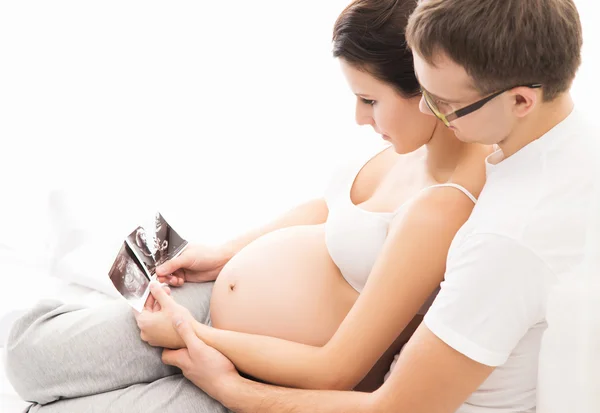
x=155, y=321
x=196, y=263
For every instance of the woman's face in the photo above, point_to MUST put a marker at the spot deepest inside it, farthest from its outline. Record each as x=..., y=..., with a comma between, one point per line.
x=397, y=119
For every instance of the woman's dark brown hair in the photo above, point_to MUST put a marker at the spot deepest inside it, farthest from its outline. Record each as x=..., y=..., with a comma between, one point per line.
x=369, y=34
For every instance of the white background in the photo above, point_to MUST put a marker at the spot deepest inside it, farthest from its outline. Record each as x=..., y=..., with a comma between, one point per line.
x=219, y=114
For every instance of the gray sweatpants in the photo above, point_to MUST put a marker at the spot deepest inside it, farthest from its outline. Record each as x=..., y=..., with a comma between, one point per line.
x=70, y=358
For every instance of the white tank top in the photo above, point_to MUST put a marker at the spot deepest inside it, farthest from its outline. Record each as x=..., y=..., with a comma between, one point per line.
x=354, y=236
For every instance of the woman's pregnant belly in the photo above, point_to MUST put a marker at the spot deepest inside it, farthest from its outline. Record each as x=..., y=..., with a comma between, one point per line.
x=283, y=285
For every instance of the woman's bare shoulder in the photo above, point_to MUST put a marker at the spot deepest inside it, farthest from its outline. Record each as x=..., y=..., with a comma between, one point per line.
x=435, y=211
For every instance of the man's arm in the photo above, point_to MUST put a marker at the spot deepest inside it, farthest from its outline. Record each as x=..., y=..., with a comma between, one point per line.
x=493, y=293
x=430, y=377
x=245, y=396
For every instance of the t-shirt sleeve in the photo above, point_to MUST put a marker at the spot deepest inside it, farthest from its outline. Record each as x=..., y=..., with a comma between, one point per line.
x=492, y=294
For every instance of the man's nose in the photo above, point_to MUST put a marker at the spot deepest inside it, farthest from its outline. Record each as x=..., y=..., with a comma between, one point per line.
x=424, y=108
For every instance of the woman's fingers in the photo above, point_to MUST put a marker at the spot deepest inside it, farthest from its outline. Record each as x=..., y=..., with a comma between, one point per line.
x=185, y=260
x=161, y=294
x=150, y=303
x=176, y=279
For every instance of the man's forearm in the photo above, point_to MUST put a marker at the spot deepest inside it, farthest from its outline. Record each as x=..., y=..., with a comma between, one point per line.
x=245, y=396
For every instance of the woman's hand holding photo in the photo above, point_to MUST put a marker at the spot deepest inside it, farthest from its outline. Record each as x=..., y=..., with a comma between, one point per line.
x=155, y=321
x=197, y=263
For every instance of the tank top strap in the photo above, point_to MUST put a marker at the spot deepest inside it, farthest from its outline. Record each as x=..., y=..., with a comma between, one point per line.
x=457, y=186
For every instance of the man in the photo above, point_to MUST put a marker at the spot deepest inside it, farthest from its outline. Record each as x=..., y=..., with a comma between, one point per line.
x=496, y=72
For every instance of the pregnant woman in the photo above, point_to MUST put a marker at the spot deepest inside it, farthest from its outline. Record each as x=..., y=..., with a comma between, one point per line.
x=323, y=297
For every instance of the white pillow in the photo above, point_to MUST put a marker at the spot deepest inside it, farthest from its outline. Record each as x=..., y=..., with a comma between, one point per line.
x=87, y=229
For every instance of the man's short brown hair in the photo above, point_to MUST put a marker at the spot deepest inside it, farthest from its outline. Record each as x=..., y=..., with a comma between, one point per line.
x=502, y=43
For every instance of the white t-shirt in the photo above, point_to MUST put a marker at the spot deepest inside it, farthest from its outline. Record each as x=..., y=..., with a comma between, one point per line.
x=526, y=233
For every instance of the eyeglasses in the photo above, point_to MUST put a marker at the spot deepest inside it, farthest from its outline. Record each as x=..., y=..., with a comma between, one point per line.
x=430, y=101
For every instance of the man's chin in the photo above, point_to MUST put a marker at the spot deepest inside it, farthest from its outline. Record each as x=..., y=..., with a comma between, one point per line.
x=458, y=135
x=462, y=137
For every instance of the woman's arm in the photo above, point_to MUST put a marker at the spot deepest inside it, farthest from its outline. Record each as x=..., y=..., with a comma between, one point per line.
x=411, y=265
x=200, y=263
x=310, y=213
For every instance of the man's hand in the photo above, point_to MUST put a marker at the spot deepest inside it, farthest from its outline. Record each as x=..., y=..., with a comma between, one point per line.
x=155, y=321
x=202, y=365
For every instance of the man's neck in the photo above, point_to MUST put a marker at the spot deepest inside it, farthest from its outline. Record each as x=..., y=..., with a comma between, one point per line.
x=443, y=152
x=537, y=124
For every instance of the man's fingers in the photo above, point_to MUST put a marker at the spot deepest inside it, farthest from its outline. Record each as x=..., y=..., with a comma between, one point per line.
x=178, y=358
x=186, y=331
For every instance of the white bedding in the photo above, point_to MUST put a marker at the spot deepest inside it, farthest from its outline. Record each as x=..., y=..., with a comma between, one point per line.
x=71, y=263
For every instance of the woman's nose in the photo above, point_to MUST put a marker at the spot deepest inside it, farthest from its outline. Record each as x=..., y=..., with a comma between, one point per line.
x=363, y=116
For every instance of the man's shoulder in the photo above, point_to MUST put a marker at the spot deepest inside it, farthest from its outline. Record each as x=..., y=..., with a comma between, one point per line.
x=545, y=204
x=552, y=228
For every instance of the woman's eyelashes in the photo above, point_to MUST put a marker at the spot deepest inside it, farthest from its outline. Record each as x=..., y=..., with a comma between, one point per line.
x=367, y=101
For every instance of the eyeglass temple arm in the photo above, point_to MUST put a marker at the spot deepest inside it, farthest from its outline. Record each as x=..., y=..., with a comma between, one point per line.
x=472, y=108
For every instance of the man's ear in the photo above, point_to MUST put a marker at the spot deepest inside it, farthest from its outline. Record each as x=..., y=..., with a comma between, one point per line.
x=524, y=100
